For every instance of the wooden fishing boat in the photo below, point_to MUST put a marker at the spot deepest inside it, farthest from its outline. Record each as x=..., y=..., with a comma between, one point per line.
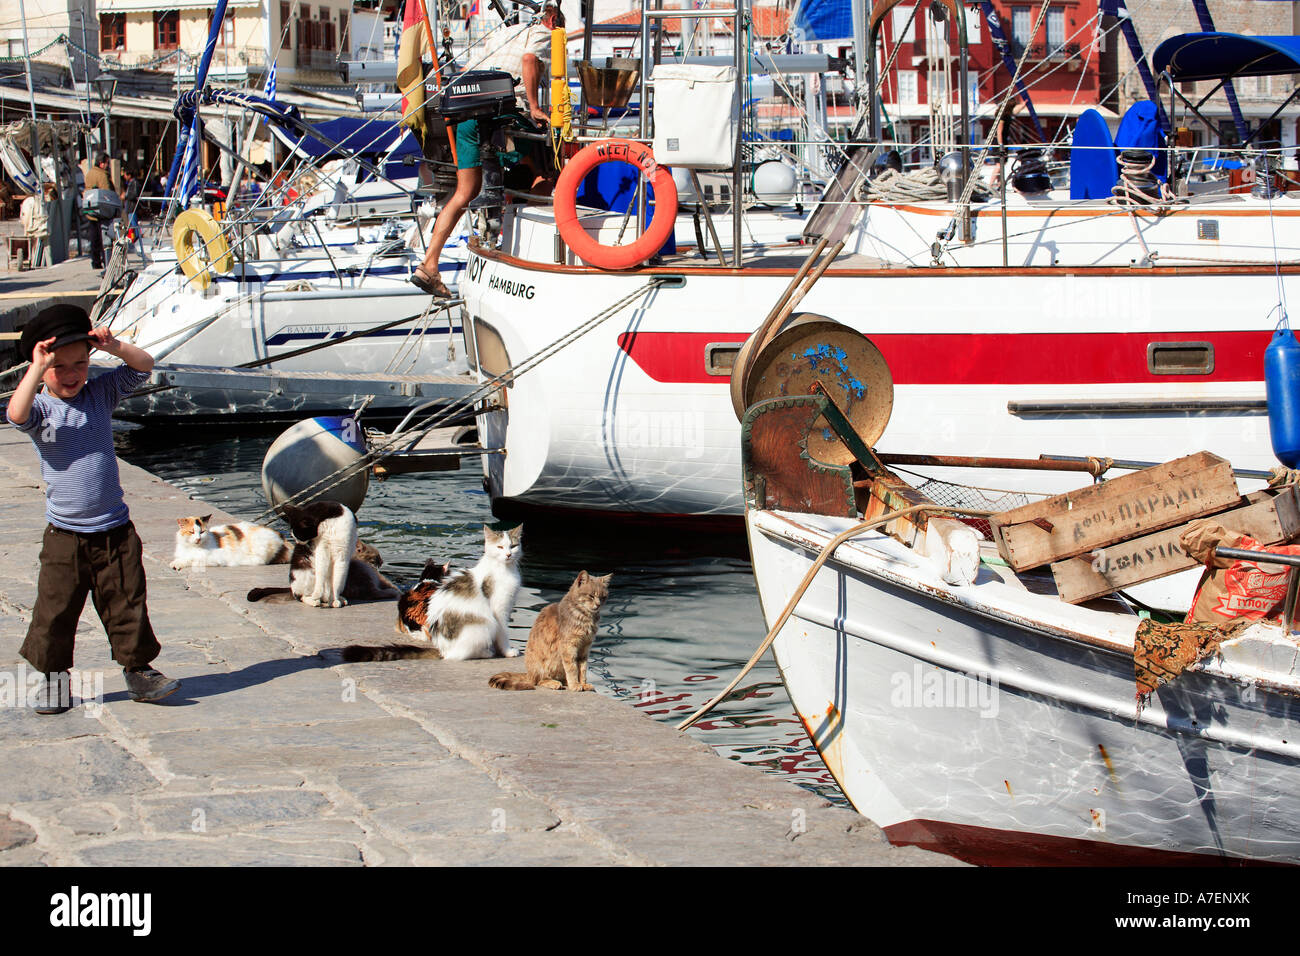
x=987, y=718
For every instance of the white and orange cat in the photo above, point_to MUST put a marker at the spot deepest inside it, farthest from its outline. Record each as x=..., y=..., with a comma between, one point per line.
x=241, y=544
x=466, y=617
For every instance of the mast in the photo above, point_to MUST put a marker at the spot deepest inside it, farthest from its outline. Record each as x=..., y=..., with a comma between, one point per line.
x=187, y=121
x=31, y=96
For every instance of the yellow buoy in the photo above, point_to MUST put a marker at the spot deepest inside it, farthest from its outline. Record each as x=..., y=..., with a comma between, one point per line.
x=201, y=249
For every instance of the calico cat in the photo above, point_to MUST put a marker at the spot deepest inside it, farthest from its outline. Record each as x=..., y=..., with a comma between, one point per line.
x=413, y=605
x=465, y=618
x=241, y=544
x=560, y=640
x=326, y=536
x=364, y=582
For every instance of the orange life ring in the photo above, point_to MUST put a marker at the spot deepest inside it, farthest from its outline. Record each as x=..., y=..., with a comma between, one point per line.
x=566, y=204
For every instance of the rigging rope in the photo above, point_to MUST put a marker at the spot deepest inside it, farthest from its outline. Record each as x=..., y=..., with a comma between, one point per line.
x=408, y=438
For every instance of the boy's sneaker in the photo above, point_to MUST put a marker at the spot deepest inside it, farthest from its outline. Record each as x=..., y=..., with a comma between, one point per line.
x=148, y=686
x=54, y=696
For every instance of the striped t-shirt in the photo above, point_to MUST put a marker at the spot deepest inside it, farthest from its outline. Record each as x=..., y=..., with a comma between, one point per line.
x=75, y=441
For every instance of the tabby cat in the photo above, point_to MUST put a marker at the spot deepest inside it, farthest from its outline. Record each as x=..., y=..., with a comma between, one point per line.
x=560, y=640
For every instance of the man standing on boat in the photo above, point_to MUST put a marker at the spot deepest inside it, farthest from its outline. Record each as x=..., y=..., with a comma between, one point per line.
x=525, y=54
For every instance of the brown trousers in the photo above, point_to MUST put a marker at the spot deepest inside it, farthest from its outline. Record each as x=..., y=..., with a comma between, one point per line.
x=106, y=565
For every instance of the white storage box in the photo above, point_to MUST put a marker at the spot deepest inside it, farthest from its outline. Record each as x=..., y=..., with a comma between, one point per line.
x=696, y=115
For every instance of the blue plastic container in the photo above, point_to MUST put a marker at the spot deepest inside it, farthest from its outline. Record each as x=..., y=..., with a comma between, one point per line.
x=1282, y=385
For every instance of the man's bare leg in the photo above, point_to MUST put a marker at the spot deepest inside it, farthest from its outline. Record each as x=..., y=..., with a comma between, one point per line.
x=468, y=184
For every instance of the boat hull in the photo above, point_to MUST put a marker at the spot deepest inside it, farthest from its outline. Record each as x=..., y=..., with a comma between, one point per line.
x=268, y=313
x=635, y=416
x=1005, y=737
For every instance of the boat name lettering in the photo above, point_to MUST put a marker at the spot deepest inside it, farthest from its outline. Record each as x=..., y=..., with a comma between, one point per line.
x=517, y=289
x=1147, y=506
x=303, y=329
x=474, y=267
x=1104, y=563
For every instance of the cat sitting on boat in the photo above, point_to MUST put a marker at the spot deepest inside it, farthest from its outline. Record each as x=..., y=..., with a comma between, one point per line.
x=241, y=544
x=560, y=640
x=465, y=616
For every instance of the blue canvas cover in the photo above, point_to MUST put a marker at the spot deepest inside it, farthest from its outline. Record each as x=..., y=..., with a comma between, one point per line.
x=367, y=137
x=612, y=186
x=1213, y=56
x=824, y=20
x=1093, y=170
x=1140, y=129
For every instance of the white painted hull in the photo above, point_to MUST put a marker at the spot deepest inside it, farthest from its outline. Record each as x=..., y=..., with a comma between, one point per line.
x=627, y=420
x=271, y=307
x=1000, y=725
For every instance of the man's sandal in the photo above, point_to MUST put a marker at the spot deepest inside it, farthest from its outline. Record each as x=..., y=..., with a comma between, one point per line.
x=430, y=284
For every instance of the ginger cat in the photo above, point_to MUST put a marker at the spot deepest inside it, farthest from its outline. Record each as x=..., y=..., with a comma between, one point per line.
x=560, y=640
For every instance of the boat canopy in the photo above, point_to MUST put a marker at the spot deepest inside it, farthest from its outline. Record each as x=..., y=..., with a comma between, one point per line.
x=1217, y=56
x=345, y=136
x=822, y=20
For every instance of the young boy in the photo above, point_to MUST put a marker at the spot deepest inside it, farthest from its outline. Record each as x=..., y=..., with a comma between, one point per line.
x=90, y=546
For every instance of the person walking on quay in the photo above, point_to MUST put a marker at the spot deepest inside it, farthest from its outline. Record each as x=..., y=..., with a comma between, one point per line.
x=97, y=178
x=36, y=224
x=90, y=546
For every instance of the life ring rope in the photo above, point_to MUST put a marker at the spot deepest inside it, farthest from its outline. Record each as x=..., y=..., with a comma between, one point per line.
x=583, y=244
x=209, y=255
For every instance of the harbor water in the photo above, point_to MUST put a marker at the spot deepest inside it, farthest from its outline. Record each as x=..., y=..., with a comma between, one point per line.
x=682, y=616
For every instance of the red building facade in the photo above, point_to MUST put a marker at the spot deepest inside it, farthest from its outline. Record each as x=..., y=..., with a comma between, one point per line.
x=1063, y=69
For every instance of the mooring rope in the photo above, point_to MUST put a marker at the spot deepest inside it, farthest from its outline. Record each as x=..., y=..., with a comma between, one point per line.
x=826, y=552
x=391, y=444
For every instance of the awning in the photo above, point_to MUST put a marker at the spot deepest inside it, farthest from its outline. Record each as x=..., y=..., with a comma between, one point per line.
x=1214, y=56
x=155, y=107
x=148, y=6
x=69, y=103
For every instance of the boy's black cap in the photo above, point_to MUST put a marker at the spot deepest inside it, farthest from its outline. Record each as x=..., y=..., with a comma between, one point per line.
x=66, y=323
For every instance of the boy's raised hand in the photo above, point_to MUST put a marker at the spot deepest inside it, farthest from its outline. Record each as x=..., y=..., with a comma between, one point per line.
x=43, y=355
x=101, y=338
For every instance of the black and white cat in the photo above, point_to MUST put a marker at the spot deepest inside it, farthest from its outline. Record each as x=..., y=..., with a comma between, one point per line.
x=325, y=535
x=365, y=581
x=466, y=617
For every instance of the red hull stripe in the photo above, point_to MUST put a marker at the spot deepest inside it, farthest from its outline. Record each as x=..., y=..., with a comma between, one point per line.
x=1014, y=358
x=985, y=846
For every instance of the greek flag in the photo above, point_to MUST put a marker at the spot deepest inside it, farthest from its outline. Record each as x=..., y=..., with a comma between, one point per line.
x=188, y=185
x=270, y=88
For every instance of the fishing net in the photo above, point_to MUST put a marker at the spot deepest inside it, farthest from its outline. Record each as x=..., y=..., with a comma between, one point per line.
x=977, y=499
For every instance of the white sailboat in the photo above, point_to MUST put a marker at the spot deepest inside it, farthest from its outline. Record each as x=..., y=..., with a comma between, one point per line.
x=1109, y=324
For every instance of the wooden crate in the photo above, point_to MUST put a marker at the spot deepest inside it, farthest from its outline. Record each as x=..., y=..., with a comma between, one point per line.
x=1266, y=518
x=1079, y=522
